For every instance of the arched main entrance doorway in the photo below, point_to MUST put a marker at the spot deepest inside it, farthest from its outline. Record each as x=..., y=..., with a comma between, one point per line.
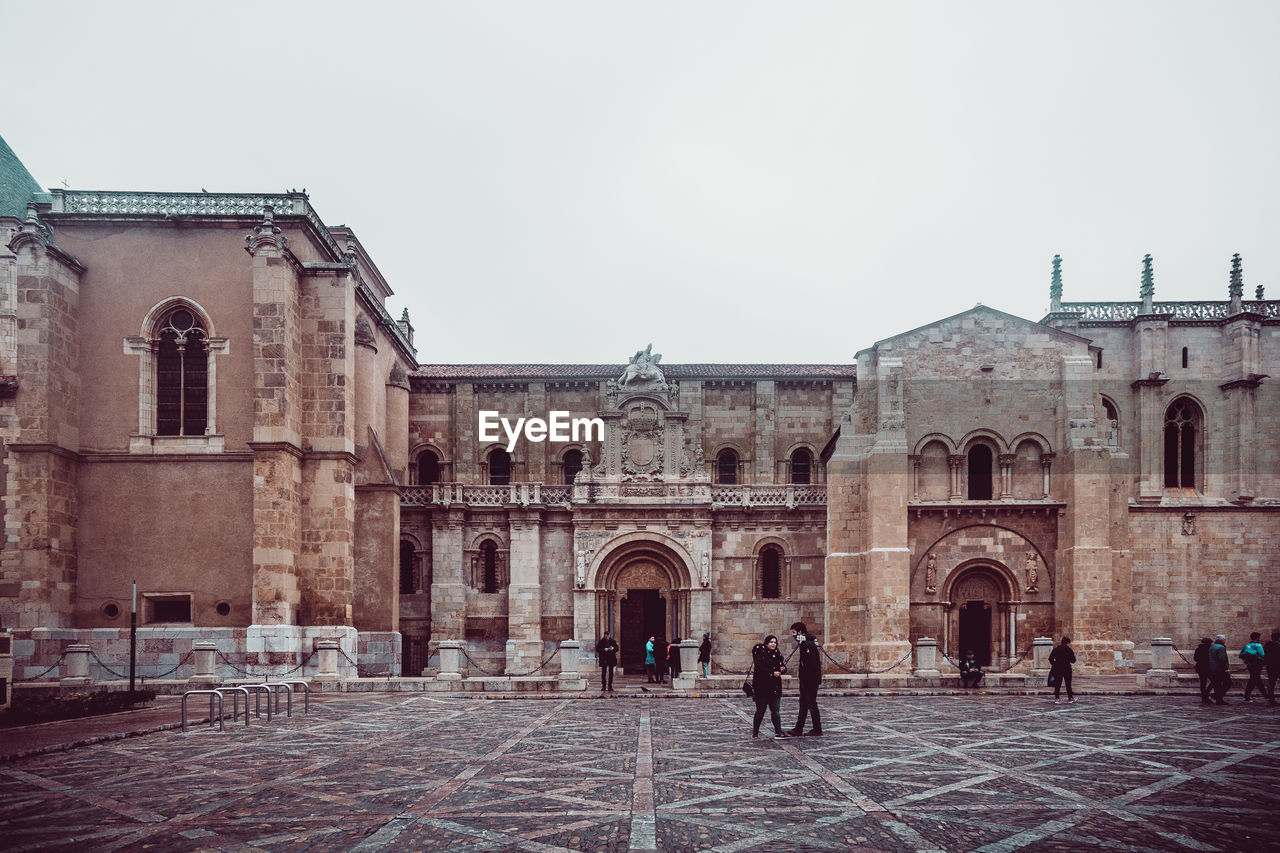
x=979, y=597
x=645, y=593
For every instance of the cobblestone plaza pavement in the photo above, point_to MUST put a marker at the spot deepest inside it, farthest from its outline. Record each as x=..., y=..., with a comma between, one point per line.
x=414, y=772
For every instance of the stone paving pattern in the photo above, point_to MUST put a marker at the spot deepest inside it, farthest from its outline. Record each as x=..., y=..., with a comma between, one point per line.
x=892, y=773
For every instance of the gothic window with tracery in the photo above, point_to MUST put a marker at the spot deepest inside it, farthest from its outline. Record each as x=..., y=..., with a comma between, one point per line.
x=182, y=374
x=1181, y=443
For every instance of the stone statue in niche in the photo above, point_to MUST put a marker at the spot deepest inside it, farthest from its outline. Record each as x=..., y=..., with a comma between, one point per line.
x=1033, y=576
x=706, y=570
x=582, y=569
x=643, y=369
x=931, y=573
x=1189, y=524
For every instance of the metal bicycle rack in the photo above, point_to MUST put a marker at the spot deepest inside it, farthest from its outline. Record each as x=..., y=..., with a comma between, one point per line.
x=235, y=702
x=295, y=683
x=212, y=694
x=258, y=690
x=275, y=687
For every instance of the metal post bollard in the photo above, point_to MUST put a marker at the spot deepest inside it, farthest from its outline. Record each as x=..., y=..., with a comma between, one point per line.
x=288, y=695
x=213, y=694
x=306, y=692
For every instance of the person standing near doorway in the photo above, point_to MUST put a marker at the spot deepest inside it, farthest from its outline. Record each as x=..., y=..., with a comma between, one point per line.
x=650, y=664
x=607, y=657
x=1060, y=661
x=704, y=655
x=810, y=678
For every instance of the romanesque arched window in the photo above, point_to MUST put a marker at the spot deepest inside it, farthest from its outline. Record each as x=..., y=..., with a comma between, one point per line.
x=770, y=576
x=182, y=373
x=1111, y=430
x=572, y=460
x=981, y=462
x=802, y=466
x=428, y=468
x=727, y=468
x=489, y=566
x=499, y=468
x=1182, y=431
x=408, y=579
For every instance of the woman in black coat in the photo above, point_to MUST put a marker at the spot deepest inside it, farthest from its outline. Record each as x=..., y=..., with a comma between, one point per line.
x=1060, y=660
x=673, y=658
x=768, y=664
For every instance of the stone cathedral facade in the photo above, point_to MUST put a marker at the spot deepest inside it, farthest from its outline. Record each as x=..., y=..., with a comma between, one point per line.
x=205, y=394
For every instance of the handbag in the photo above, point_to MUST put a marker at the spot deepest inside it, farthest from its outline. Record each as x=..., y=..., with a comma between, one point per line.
x=1053, y=679
x=748, y=688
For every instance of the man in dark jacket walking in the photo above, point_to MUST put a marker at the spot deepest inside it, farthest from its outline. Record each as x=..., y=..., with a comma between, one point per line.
x=1271, y=659
x=810, y=676
x=1219, y=668
x=1201, y=656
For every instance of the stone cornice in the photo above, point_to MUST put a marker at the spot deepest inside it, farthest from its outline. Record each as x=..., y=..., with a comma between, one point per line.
x=45, y=447
x=277, y=447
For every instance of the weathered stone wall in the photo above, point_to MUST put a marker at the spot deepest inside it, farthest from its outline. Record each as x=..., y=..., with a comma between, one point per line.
x=1219, y=578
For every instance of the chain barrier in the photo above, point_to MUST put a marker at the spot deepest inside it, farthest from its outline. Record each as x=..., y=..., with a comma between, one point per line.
x=189, y=655
x=100, y=663
x=362, y=674
x=1184, y=657
x=264, y=676
x=484, y=671
x=901, y=661
x=48, y=670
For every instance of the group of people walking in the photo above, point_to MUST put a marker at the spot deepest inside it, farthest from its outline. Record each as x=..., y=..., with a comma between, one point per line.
x=767, y=666
x=1213, y=665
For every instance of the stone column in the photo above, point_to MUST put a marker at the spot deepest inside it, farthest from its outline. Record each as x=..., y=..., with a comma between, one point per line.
x=956, y=464
x=927, y=658
x=1161, y=673
x=690, y=669
x=1040, y=648
x=570, y=661
x=450, y=658
x=448, y=575
x=206, y=653
x=1007, y=461
x=524, y=593
x=77, y=666
x=328, y=650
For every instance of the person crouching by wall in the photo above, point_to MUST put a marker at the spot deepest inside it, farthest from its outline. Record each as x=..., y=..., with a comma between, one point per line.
x=970, y=672
x=767, y=666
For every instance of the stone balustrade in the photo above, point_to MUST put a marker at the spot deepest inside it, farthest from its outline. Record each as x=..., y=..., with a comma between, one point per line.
x=526, y=494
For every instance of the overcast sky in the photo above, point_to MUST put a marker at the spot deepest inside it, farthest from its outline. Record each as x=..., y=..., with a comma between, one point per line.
x=731, y=181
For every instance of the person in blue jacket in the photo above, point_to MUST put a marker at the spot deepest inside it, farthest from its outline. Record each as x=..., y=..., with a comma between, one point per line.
x=1254, y=656
x=649, y=662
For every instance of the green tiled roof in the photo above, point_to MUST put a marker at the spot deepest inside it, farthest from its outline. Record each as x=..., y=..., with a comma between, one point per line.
x=16, y=183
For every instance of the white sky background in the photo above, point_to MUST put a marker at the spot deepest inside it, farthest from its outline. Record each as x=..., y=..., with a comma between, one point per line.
x=732, y=181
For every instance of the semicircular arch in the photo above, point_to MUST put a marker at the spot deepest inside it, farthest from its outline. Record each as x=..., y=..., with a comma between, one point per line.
x=615, y=556
x=992, y=545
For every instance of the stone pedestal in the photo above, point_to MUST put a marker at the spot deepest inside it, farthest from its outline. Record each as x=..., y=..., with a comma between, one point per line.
x=328, y=651
x=450, y=658
x=205, y=654
x=1161, y=673
x=77, y=666
x=1040, y=648
x=689, y=667
x=927, y=658
x=570, y=660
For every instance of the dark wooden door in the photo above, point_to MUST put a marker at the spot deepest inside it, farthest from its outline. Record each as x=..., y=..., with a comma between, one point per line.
x=643, y=614
x=975, y=631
